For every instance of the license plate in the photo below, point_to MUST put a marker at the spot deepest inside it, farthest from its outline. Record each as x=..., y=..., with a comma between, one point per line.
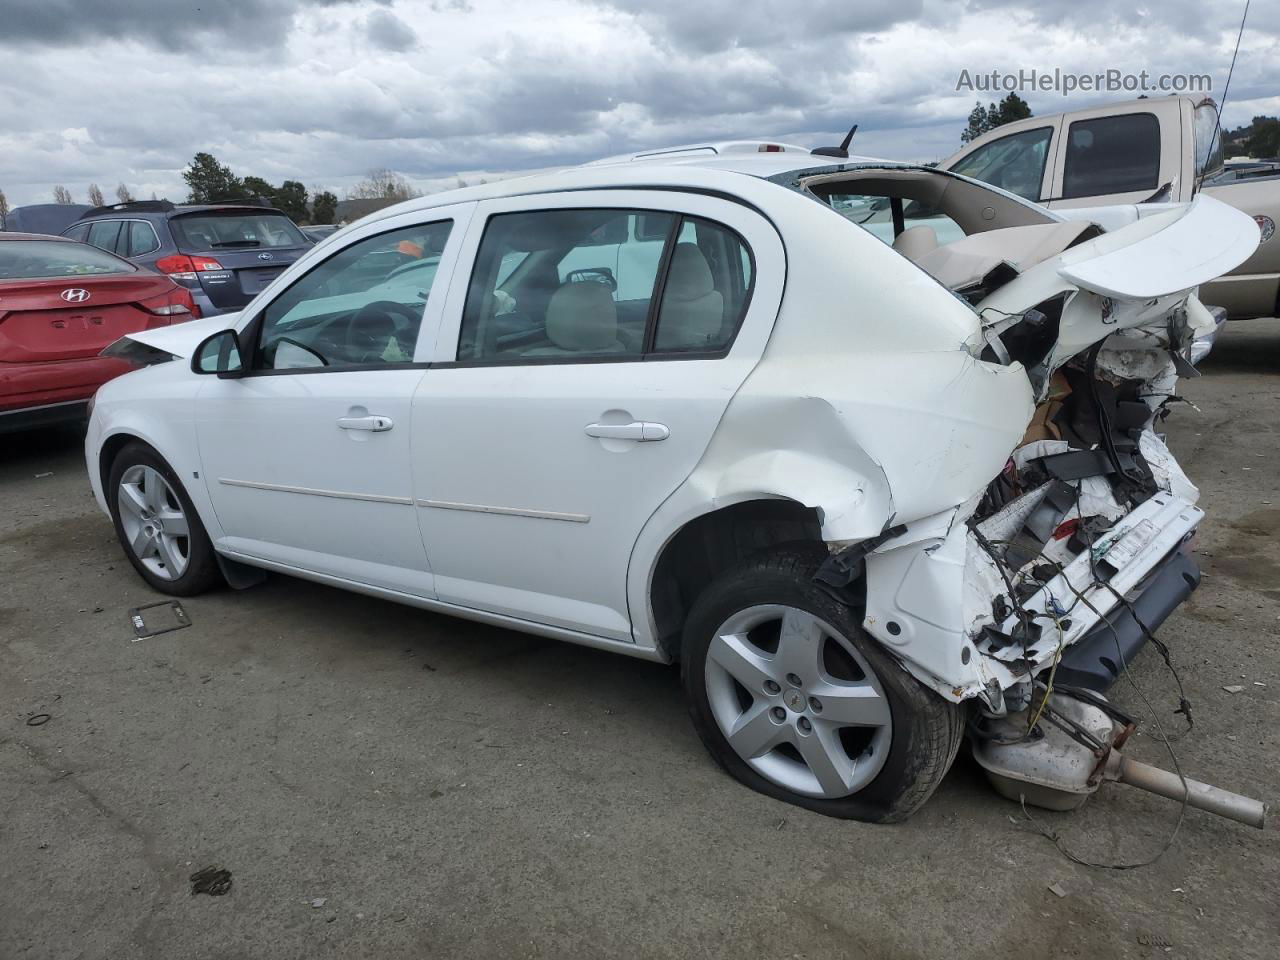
x=1122, y=552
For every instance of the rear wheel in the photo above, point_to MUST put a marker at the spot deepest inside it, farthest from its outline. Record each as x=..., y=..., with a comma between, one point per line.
x=157, y=525
x=794, y=699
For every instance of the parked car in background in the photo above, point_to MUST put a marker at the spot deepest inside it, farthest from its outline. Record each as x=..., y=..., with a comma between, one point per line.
x=224, y=253
x=317, y=232
x=682, y=407
x=1147, y=153
x=44, y=217
x=61, y=303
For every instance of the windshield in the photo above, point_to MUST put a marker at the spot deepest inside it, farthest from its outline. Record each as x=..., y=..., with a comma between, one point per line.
x=242, y=229
x=33, y=259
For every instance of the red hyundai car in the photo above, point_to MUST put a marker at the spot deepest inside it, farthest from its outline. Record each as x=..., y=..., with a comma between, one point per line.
x=61, y=303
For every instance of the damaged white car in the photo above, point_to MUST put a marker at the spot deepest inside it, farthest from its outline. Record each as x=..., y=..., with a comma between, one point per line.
x=682, y=406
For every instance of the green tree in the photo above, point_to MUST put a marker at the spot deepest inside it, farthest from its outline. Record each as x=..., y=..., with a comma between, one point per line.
x=291, y=198
x=324, y=205
x=257, y=187
x=982, y=119
x=209, y=181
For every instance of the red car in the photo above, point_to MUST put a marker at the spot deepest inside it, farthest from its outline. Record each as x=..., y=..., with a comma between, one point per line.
x=61, y=303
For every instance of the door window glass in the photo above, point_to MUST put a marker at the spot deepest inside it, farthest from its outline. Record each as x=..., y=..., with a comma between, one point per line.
x=706, y=289
x=104, y=233
x=1015, y=163
x=1112, y=155
x=604, y=284
x=563, y=283
x=362, y=306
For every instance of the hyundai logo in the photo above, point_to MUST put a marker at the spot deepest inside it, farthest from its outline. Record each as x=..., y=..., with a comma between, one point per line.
x=75, y=295
x=265, y=256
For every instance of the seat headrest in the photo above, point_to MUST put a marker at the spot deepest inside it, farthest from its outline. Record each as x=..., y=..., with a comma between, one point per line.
x=690, y=276
x=915, y=242
x=582, y=317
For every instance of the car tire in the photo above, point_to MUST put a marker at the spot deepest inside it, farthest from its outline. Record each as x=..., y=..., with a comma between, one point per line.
x=856, y=737
x=157, y=525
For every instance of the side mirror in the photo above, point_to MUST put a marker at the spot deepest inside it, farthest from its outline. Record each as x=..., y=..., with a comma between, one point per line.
x=219, y=354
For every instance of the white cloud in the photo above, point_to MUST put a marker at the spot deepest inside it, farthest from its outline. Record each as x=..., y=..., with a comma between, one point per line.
x=323, y=90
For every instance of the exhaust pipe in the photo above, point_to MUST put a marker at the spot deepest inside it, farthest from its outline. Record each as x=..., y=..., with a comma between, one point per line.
x=1075, y=748
x=1202, y=796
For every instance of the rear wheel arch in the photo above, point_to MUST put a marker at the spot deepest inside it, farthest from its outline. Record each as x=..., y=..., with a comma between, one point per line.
x=710, y=543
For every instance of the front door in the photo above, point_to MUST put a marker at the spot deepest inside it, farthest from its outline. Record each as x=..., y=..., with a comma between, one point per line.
x=307, y=455
x=564, y=407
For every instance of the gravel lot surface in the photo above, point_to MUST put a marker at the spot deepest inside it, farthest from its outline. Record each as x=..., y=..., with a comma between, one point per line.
x=382, y=782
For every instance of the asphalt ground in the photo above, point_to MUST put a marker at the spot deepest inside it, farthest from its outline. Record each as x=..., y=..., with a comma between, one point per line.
x=382, y=782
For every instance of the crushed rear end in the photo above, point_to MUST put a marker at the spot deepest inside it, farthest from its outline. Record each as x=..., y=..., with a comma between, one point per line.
x=1080, y=547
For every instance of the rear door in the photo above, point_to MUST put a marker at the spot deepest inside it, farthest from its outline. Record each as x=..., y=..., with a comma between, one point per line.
x=562, y=408
x=249, y=247
x=1107, y=157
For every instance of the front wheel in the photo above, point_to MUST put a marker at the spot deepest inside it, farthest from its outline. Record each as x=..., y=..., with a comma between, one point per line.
x=793, y=698
x=157, y=525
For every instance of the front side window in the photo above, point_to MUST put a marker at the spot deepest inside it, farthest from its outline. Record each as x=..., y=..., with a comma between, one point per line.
x=238, y=230
x=1112, y=155
x=29, y=259
x=361, y=307
x=603, y=284
x=1015, y=163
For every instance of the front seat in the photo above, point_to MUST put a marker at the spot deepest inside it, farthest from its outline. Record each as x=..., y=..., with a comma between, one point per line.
x=692, y=312
x=914, y=242
x=581, y=318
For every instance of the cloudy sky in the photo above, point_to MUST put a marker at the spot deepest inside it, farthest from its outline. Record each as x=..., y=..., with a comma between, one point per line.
x=324, y=90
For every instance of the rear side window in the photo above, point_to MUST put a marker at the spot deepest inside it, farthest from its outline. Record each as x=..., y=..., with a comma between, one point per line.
x=79, y=232
x=571, y=285
x=229, y=231
x=1112, y=155
x=31, y=259
x=142, y=238
x=104, y=234
x=1014, y=163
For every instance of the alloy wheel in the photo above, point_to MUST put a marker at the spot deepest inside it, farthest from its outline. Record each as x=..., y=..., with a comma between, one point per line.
x=154, y=523
x=797, y=701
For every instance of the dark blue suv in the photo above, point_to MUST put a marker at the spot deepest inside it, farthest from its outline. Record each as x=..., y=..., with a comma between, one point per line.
x=224, y=253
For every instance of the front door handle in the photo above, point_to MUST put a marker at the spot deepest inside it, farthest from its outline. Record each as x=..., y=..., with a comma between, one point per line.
x=641, y=430
x=373, y=424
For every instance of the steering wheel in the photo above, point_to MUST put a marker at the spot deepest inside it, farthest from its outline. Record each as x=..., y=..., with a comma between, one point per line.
x=370, y=327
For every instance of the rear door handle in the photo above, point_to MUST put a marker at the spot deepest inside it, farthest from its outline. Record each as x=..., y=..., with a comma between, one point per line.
x=373, y=424
x=642, y=430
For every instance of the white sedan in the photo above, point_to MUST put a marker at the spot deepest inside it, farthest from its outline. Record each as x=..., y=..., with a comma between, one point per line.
x=684, y=408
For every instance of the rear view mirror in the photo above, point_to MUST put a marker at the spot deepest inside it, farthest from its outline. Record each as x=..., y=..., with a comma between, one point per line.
x=219, y=354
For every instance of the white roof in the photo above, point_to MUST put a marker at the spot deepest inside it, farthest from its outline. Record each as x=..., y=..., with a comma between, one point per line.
x=701, y=165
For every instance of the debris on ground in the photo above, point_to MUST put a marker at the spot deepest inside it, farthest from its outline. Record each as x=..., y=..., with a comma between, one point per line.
x=1233, y=688
x=157, y=623
x=319, y=902
x=1154, y=940
x=1057, y=890
x=38, y=719
x=214, y=881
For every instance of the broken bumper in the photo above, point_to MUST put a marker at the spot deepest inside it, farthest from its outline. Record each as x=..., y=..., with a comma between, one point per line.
x=1097, y=659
